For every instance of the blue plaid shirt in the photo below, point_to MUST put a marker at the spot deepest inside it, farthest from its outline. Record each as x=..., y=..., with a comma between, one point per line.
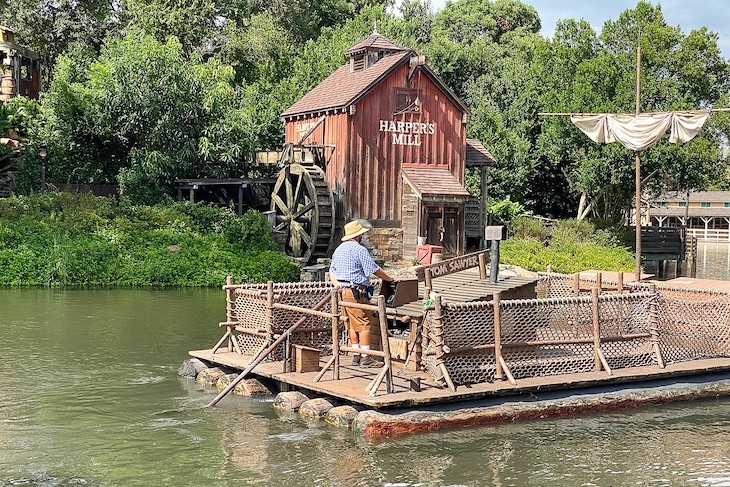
x=352, y=264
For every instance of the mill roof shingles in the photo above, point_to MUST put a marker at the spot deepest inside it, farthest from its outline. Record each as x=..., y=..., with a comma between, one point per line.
x=342, y=88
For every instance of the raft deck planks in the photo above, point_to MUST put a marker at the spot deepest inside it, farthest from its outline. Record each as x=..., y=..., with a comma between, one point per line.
x=351, y=387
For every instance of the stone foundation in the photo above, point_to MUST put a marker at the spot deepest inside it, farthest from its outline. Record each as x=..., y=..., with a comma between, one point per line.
x=386, y=243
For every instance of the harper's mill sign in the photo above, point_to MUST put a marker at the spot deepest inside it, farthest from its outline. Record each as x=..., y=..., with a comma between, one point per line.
x=407, y=133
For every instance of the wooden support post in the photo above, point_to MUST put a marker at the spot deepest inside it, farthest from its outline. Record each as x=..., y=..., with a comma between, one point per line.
x=229, y=312
x=230, y=318
x=498, y=372
x=507, y=372
x=654, y=326
x=287, y=354
x=372, y=387
x=385, y=344
x=596, y=327
x=576, y=284
x=599, y=281
x=621, y=282
x=335, y=321
x=270, y=316
x=427, y=279
x=482, y=267
x=438, y=332
x=226, y=336
x=326, y=367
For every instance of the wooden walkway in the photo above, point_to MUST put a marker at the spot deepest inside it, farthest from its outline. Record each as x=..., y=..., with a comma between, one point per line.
x=698, y=284
x=467, y=286
x=351, y=386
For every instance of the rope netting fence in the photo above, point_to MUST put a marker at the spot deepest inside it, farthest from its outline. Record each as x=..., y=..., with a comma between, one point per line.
x=572, y=328
x=258, y=323
x=575, y=325
x=539, y=337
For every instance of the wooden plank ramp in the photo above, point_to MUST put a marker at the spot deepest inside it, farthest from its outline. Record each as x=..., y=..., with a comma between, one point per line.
x=351, y=387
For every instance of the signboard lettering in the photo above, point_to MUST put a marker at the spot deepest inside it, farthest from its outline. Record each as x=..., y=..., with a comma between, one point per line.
x=303, y=127
x=452, y=265
x=407, y=133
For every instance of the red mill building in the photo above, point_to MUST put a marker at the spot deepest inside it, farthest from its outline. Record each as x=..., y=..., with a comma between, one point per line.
x=397, y=144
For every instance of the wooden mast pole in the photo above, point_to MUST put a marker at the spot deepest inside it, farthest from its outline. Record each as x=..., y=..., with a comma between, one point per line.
x=637, y=267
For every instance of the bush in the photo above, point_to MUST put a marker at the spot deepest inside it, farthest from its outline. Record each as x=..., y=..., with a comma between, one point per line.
x=135, y=185
x=565, y=258
x=574, y=246
x=525, y=228
x=60, y=239
x=572, y=231
x=506, y=210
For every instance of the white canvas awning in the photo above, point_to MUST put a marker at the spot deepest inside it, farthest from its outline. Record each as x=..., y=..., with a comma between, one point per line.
x=638, y=132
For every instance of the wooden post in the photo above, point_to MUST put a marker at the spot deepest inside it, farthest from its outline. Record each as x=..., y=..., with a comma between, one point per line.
x=270, y=316
x=576, y=284
x=427, y=279
x=654, y=327
x=334, y=309
x=596, y=327
x=438, y=331
x=599, y=281
x=229, y=312
x=620, y=282
x=482, y=267
x=498, y=373
x=386, y=344
x=637, y=176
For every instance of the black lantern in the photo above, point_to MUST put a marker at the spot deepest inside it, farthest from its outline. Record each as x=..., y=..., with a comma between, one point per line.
x=42, y=154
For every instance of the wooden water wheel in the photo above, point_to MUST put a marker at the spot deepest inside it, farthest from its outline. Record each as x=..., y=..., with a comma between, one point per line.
x=305, y=211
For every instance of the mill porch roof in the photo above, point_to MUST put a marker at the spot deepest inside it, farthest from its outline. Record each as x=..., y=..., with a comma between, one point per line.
x=430, y=183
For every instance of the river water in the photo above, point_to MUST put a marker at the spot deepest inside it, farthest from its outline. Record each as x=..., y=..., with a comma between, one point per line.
x=89, y=395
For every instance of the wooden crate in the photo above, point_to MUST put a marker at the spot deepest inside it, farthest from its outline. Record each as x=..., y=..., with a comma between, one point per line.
x=399, y=351
x=306, y=359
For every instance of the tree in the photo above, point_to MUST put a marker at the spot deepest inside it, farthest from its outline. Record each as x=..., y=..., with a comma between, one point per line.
x=146, y=105
x=49, y=27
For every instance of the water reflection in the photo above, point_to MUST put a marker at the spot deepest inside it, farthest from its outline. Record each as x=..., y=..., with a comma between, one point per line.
x=90, y=396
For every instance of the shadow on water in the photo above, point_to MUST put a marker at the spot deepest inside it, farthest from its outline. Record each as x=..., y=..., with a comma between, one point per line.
x=90, y=396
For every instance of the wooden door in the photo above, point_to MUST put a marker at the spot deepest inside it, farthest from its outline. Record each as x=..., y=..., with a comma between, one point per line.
x=442, y=228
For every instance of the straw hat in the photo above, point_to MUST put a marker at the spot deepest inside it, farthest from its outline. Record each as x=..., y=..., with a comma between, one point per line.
x=353, y=229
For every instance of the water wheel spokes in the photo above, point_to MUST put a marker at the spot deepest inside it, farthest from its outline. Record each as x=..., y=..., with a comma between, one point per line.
x=304, y=211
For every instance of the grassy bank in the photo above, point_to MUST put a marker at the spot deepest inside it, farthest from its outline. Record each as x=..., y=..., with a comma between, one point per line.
x=568, y=247
x=60, y=239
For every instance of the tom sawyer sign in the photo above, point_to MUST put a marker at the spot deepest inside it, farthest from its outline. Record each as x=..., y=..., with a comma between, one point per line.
x=446, y=267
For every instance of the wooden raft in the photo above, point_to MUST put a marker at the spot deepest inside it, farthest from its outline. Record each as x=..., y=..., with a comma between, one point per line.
x=353, y=380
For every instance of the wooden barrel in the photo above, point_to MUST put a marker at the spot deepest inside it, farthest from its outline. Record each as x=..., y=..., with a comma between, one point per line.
x=7, y=86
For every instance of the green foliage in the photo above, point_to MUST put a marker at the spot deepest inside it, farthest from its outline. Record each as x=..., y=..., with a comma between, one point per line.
x=20, y=114
x=569, y=231
x=526, y=228
x=566, y=258
x=150, y=91
x=59, y=239
x=137, y=186
x=505, y=210
x=573, y=246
